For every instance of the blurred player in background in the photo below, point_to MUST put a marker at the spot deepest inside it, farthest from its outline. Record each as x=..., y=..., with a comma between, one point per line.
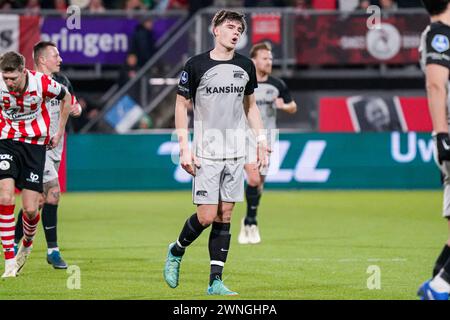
x=220, y=83
x=24, y=135
x=47, y=60
x=271, y=94
x=435, y=59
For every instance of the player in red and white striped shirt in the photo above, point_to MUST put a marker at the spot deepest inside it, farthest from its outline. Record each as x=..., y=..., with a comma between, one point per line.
x=24, y=137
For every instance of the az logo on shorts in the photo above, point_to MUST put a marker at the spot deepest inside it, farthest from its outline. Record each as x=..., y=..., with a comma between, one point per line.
x=202, y=193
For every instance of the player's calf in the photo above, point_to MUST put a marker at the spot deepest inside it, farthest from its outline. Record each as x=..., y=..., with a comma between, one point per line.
x=7, y=227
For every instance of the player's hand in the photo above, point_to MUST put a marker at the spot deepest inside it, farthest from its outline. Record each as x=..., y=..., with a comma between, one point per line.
x=54, y=141
x=189, y=161
x=75, y=110
x=279, y=103
x=443, y=146
x=289, y=108
x=263, y=154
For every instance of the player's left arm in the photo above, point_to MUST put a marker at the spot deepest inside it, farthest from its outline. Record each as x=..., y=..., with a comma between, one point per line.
x=75, y=107
x=256, y=124
x=290, y=107
x=54, y=90
x=65, y=105
x=284, y=100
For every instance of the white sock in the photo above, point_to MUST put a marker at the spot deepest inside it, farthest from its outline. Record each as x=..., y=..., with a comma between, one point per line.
x=50, y=250
x=10, y=262
x=440, y=285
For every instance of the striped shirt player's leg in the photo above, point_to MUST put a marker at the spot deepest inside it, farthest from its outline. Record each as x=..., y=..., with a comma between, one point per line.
x=18, y=234
x=31, y=182
x=8, y=175
x=30, y=220
x=7, y=225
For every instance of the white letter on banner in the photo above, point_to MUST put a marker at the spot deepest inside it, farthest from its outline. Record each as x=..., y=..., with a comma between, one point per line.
x=73, y=21
x=306, y=169
x=374, y=21
x=410, y=155
x=426, y=149
x=9, y=33
x=173, y=149
x=280, y=149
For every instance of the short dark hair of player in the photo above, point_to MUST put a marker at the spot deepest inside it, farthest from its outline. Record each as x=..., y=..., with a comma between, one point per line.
x=39, y=48
x=435, y=7
x=12, y=61
x=224, y=15
x=259, y=46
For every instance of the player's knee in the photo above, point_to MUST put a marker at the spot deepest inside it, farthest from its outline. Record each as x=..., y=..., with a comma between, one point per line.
x=6, y=198
x=53, y=196
x=30, y=210
x=41, y=202
x=225, y=218
x=52, y=200
x=254, y=181
x=206, y=220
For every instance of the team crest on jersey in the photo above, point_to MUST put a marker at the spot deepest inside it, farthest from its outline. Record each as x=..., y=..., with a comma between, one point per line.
x=238, y=74
x=440, y=43
x=184, y=77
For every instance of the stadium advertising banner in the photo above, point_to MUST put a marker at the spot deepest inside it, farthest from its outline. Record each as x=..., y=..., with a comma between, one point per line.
x=19, y=34
x=300, y=161
x=103, y=40
x=374, y=113
x=346, y=39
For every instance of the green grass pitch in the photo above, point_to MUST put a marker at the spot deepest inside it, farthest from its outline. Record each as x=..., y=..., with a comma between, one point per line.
x=315, y=245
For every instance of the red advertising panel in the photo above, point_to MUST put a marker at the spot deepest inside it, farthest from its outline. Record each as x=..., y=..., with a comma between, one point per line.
x=29, y=35
x=374, y=114
x=347, y=39
x=266, y=27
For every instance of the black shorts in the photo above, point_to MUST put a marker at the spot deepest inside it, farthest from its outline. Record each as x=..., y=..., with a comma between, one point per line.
x=24, y=162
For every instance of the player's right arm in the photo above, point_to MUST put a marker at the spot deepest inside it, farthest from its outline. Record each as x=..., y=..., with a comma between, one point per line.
x=437, y=66
x=183, y=102
x=437, y=79
x=181, y=124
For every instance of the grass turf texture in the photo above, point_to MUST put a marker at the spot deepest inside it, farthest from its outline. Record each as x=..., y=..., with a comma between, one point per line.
x=315, y=245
